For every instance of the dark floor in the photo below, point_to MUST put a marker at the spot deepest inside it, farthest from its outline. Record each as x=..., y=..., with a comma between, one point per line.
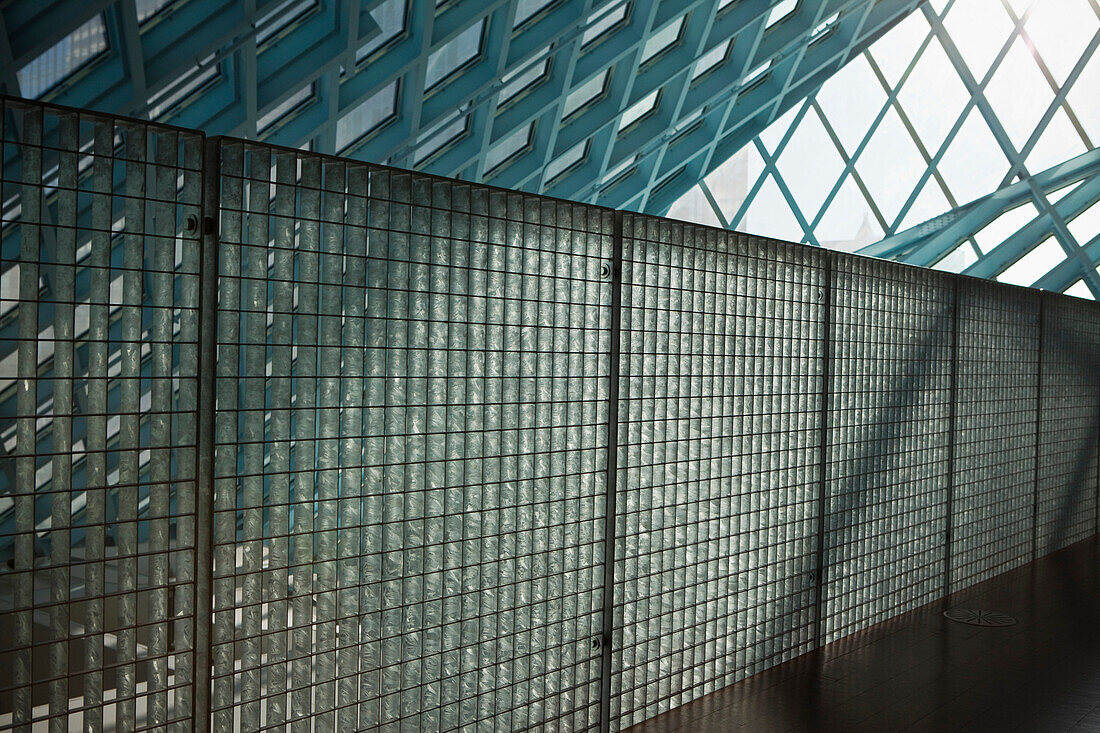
x=922, y=672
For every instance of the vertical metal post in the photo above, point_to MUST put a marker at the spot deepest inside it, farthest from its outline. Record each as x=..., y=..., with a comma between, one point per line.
x=823, y=428
x=1038, y=434
x=204, y=473
x=612, y=472
x=949, y=525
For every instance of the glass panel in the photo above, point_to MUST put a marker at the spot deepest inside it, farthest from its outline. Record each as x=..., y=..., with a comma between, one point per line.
x=933, y=96
x=769, y=215
x=663, y=39
x=1057, y=143
x=729, y=182
x=146, y=9
x=848, y=222
x=1085, y=226
x=781, y=11
x=565, y=161
x=644, y=106
x=974, y=164
x=281, y=17
x=1004, y=226
x=1018, y=93
x=889, y=164
x=527, y=9
x=851, y=99
x=694, y=207
x=620, y=168
x=773, y=133
x=979, y=29
x=711, y=59
x=64, y=58
x=1060, y=31
x=810, y=164
x=824, y=26
x=168, y=99
x=1034, y=264
x=517, y=82
x=896, y=49
x=1080, y=290
x=453, y=55
x=604, y=20
x=508, y=147
x=366, y=117
x=929, y=203
x=390, y=17
x=299, y=98
x=1085, y=101
x=958, y=259
x=585, y=94
x=433, y=142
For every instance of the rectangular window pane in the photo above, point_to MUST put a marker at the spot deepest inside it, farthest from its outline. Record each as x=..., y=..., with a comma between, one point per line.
x=646, y=105
x=517, y=83
x=437, y=141
x=453, y=55
x=280, y=110
x=64, y=58
x=390, y=17
x=611, y=16
x=508, y=147
x=566, y=160
x=663, y=39
x=585, y=93
x=366, y=117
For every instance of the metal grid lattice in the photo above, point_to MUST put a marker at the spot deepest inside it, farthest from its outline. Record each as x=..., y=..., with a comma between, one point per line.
x=888, y=428
x=1069, y=423
x=997, y=389
x=719, y=459
x=413, y=384
x=437, y=404
x=98, y=381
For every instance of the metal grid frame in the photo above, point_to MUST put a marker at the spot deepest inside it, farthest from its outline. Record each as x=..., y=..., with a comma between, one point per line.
x=598, y=381
x=718, y=467
x=447, y=520
x=99, y=386
x=887, y=476
x=993, y=481
x=1068, y=426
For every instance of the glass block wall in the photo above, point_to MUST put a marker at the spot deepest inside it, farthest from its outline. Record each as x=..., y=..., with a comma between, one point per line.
x=888, y=426
x=99, y=297
x=411, y=450
x=295, y=441
x=719, y=460
x=997, y=395
x=1069, y=418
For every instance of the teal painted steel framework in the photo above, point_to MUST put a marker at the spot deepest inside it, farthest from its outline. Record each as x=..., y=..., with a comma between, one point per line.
x=625, y=103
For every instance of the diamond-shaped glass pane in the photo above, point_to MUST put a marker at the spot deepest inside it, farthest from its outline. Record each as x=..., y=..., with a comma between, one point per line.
x=933, y=96
x=889, y=164
x=1060, y=30
x=979, y=29
x=1018, y=93
x=810, y=164
x=973, y=164
x=769, y=214
x=1034, y=264
x=851, y=99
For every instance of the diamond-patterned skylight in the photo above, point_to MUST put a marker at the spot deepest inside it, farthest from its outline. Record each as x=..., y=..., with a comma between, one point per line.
x=959, y=100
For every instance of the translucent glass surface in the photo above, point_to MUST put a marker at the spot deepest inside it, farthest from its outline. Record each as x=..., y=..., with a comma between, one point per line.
x=99, y=371
x=411, y=451
x=983, y=95
x=719, y=453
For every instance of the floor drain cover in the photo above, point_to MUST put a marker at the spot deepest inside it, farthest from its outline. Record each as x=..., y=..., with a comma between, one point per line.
x=977, y=617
